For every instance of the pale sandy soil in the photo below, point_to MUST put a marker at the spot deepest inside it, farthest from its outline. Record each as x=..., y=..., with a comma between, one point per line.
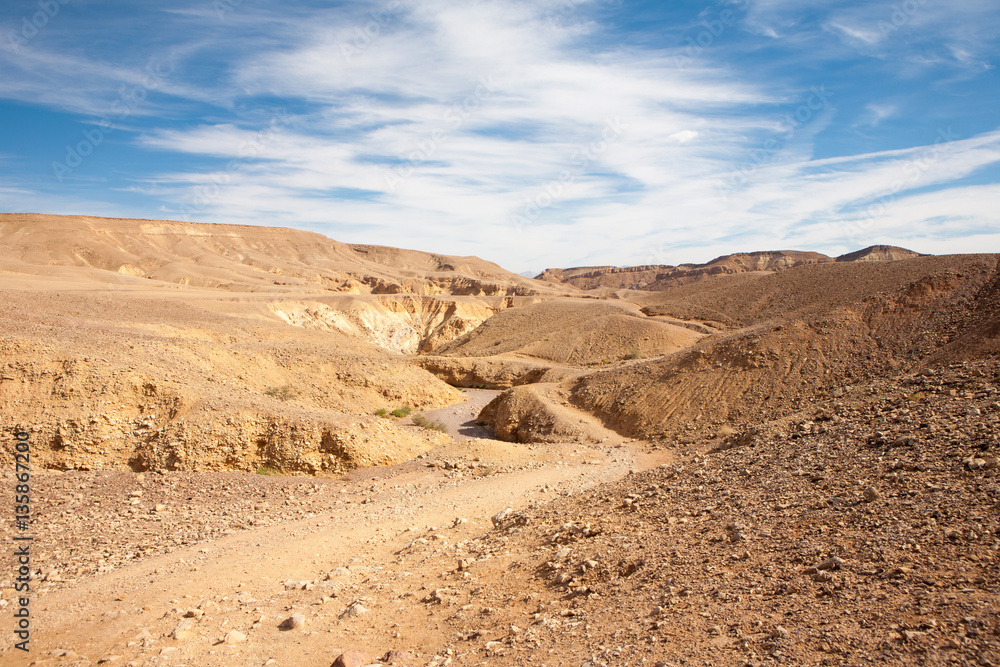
x=101, y=615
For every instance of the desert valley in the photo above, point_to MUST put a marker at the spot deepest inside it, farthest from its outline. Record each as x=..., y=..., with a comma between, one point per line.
x=260, y=446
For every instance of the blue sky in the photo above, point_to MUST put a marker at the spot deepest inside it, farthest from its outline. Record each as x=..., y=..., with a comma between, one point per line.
x=534, y=134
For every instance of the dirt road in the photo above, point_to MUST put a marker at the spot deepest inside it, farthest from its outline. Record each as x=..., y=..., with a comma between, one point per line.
x=180, y=608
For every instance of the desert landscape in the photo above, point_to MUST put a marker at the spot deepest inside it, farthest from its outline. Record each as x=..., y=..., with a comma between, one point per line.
x=260, y=446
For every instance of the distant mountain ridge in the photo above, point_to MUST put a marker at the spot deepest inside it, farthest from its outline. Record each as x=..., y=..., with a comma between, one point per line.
x=652, y=277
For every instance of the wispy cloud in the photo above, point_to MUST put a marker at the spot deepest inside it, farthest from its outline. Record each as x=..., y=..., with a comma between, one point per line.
x=437, y=124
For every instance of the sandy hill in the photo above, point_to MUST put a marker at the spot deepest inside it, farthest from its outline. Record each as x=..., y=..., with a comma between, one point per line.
x=660, y=277
x=238, y=258
x=572, y=331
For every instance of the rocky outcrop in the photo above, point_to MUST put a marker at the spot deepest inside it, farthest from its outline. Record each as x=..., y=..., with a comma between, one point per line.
x=879, y=253
x=403, y=323
x=522, y=414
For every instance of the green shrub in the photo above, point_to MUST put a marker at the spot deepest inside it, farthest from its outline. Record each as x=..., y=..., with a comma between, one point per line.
x=381, y=412
x=285, y=392
x=264, y=470
x=401, y=412
x=424, y=422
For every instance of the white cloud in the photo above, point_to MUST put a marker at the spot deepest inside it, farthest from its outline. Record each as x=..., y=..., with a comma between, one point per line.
x=875, y=113
x=449, y=122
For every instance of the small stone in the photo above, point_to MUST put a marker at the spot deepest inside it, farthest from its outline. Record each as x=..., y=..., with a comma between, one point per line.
x=337, y=573
x=183, y=631
x=109, y=659
x=354, y=609
x=832, y=563
x=194, y=613
x=293, y=622
x=397, y=657
x=235, y=637
x=352, y=658
x=498, y=518
x=871, y=494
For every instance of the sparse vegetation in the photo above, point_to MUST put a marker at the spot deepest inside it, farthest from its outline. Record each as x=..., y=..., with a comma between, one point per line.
x=632, y=354
x=401, y=412
x=285, y=392
x=429, y=424
x=381, y=412
x=264, y=470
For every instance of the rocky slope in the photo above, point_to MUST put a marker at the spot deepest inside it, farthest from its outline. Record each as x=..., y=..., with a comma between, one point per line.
x=127, y=382
x=781, y=341
x=839, y=325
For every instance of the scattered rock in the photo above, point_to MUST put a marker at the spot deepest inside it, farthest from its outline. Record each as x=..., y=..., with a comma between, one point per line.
x=832, y=563
x=293, y=622
x=398, y=657
x=235, y=637
x=183, y=631
x=354, y=609
x=352, y=658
